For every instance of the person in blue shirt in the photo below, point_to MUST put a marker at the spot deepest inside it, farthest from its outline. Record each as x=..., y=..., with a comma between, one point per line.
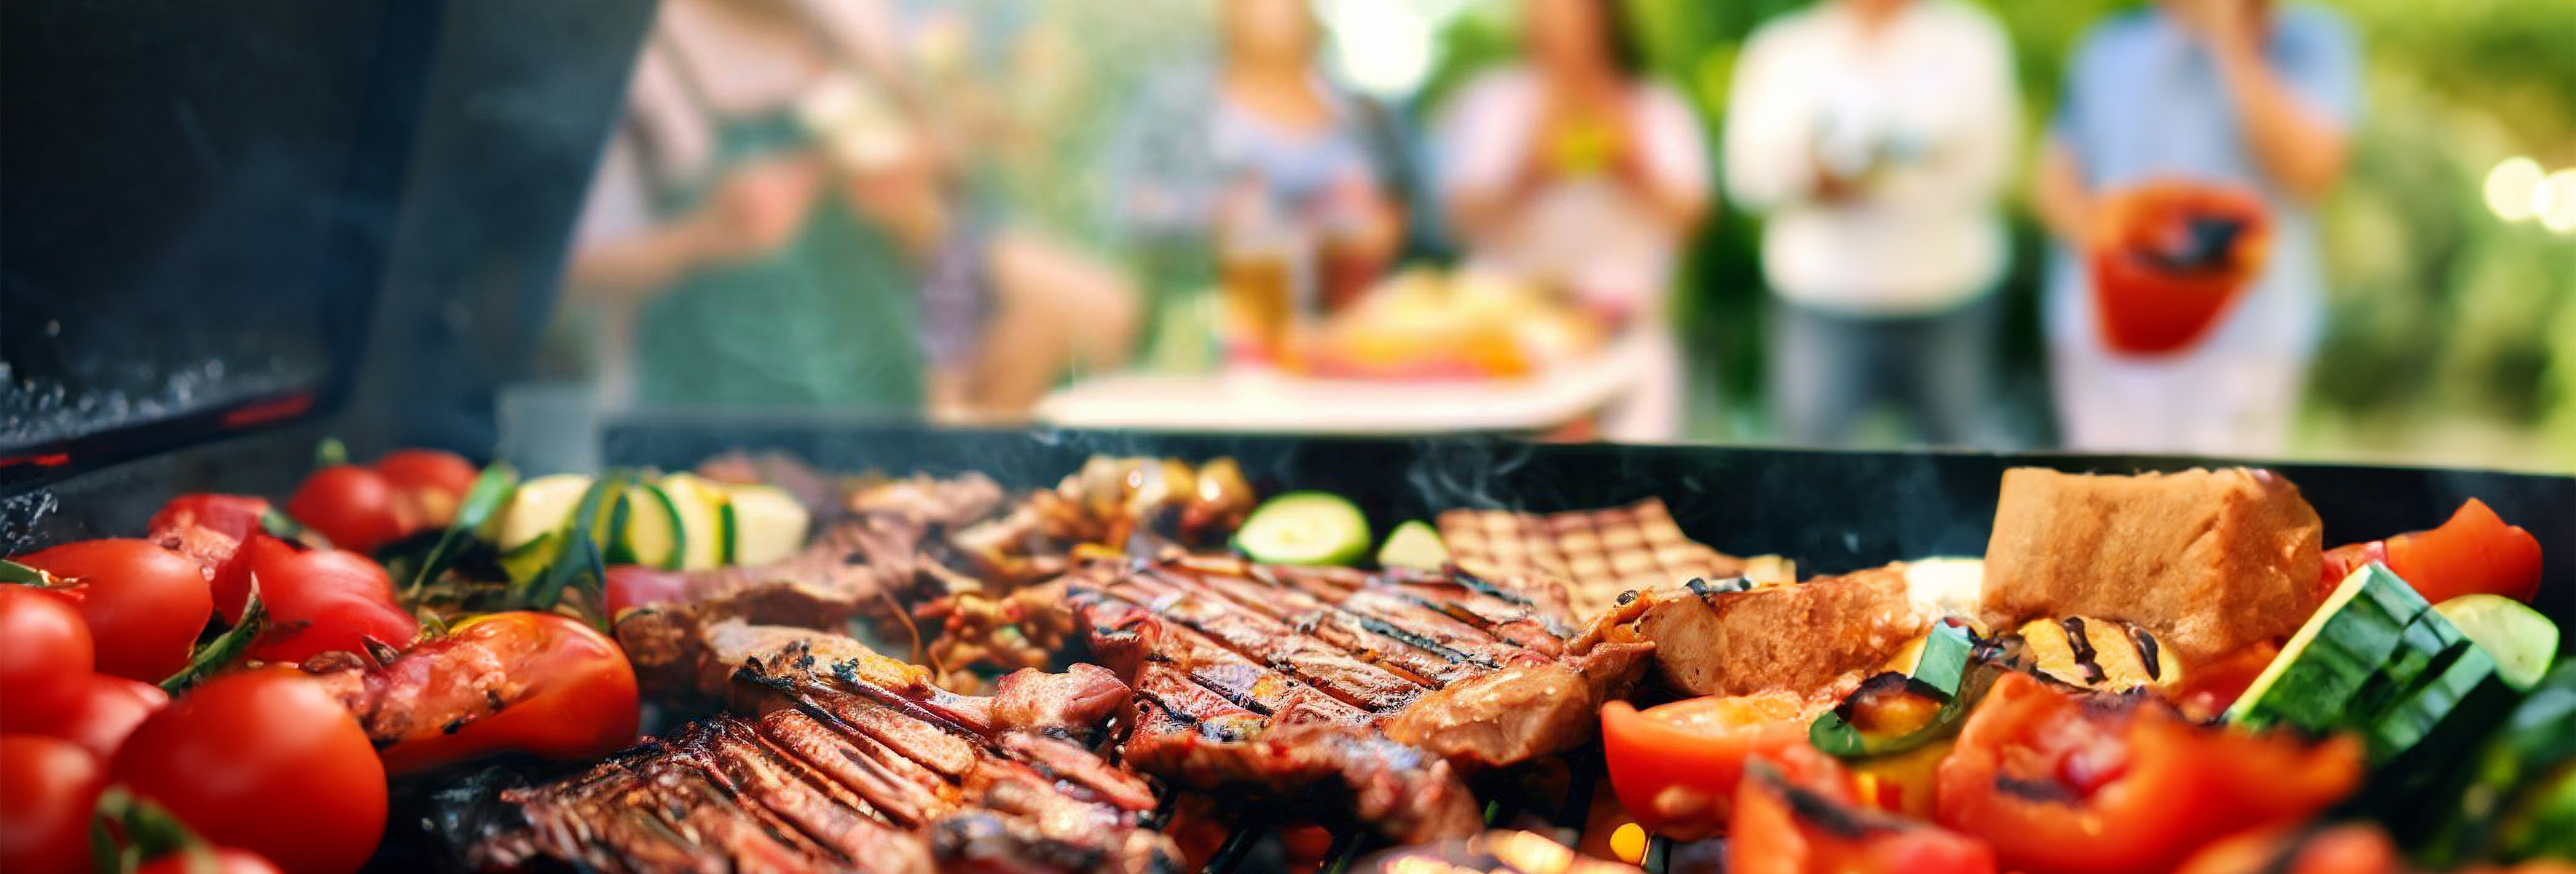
x=2247, y=93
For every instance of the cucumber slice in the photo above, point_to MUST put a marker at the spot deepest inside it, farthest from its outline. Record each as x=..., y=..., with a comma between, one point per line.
x=2522, y=642
x=2331, y=657
x=768, y=525
x=539, y=507
x=653, y=536
x=700, y=503
x=1307, y=528
x=533, y=557
x=1413, y=545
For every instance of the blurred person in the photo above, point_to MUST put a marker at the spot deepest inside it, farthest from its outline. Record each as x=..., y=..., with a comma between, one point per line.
x=1575, y=169
x=2228, y=94
x=1876, y=135
x=778, y=223
x=1262, y=144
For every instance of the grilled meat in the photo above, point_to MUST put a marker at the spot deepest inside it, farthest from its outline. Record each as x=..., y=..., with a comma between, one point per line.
x=1368, y=690
x=2207, y=561
x=1597, y=553
x=1731, y=639
x=836, y=758
x=1130, y=504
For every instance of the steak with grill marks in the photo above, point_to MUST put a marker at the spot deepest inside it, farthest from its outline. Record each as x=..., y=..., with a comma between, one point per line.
x=1370, y=690
x=835, y=758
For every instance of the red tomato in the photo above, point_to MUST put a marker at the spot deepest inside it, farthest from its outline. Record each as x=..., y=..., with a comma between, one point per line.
x=210, y=529
x=223, y=861
x=1676, y=766
x=1797, y=812
x=535, y=683
x=98, y=719
x=45, y=650
x=2057, y=784
x=430, y=481
x=2301, y=849
x=48, y=786
x=351, y=505
x=324, y=600
x=263, y=760
x=2341, y=561
x=2474, y=552
x=144, y=603
x=631, y=585
x=233, y=515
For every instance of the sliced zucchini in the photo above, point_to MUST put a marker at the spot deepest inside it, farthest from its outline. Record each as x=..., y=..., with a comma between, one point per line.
x=1413, y=544
x=2343, y=646
x=1943, y=685
x=1305, y=528
x=532, y=558
x=539, y=507
x=652, y=535
x=2522, y=641
x=763, y=524
x=700, y=503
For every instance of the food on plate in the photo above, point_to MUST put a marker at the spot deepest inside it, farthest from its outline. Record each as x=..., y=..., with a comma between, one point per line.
x=1305, y=528
x=143, y=602
x=536, y=683
x=266, y=761
x=47, y=788
x=1469, y=325
x=2058, y=782
x=2207, y=561
x=1729, y=637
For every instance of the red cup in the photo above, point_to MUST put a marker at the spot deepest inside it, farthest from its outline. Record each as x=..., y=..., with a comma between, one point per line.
x=2171, y=259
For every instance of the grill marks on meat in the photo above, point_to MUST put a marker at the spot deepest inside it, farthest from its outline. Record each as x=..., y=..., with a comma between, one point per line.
x=835, y=758
x=1362, y=693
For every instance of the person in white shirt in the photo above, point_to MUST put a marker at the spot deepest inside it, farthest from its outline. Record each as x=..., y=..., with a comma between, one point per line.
x=1877, y=135
x=1575, y=168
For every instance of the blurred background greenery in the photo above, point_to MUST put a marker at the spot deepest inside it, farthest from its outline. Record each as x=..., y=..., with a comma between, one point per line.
x=2452, y=335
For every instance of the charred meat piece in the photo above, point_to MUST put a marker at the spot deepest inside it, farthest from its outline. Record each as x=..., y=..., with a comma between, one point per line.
x=836, y=758
x=1131, y=505
x=1730, y=639
x=2206, y=561
x=1597, y=553
x=1332, y=684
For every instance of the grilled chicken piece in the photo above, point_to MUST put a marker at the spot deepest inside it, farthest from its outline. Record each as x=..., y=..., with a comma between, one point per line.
x=1804, y=638
x=2207, y=561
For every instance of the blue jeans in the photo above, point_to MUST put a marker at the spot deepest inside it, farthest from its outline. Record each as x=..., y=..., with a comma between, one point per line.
x=1828, y=368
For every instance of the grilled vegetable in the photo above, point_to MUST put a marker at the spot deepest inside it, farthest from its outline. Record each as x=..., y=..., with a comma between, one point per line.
x=2377, y=660
x=535, y=683
x=763, y=524
x=2058, y=782
x=1893, y=713
x=1311, y=528
x=2518, y=798
x=539, y=508
x=2100, y=655
x=1413, y=544
x=2521, y=641
x=1676, y=766
x=1798, y=813
x=703, y=531
x=652, y=535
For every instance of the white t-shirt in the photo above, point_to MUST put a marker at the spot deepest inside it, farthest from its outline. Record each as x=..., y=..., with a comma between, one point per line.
x=1929, y=102
x=1590, y=232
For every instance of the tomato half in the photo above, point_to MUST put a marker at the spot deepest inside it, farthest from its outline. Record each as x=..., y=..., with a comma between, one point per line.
x=211, y=529
x=45, y=650
x=219, y=861
x=1676, y=765
x=233, y=515
x=351, y=505
x=144, y=603
x=2058, y=783
x=2474, y=552
x=99, y=718
x=323, y=600
x=534, y=683
x=263, y=760
x=48, y=786
x=429, y=483
x=1797, y=812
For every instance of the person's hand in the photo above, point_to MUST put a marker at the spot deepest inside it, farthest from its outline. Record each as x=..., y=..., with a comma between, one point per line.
x=758, y=208
x=2223, y=25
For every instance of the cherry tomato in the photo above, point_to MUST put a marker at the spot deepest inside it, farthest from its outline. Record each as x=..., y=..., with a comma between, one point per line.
x=1676, y=766
x=45, y=650
x=222, y=861
x=48, y=786
x=2474, y=552
x=351, y=505
x=144, y=603
x=323, y=600
x=233, y=515
x=2057, y=784
x=99, y=718
x=263, y=760
x=632, y=585
x=535, y=683
x=430, y=481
